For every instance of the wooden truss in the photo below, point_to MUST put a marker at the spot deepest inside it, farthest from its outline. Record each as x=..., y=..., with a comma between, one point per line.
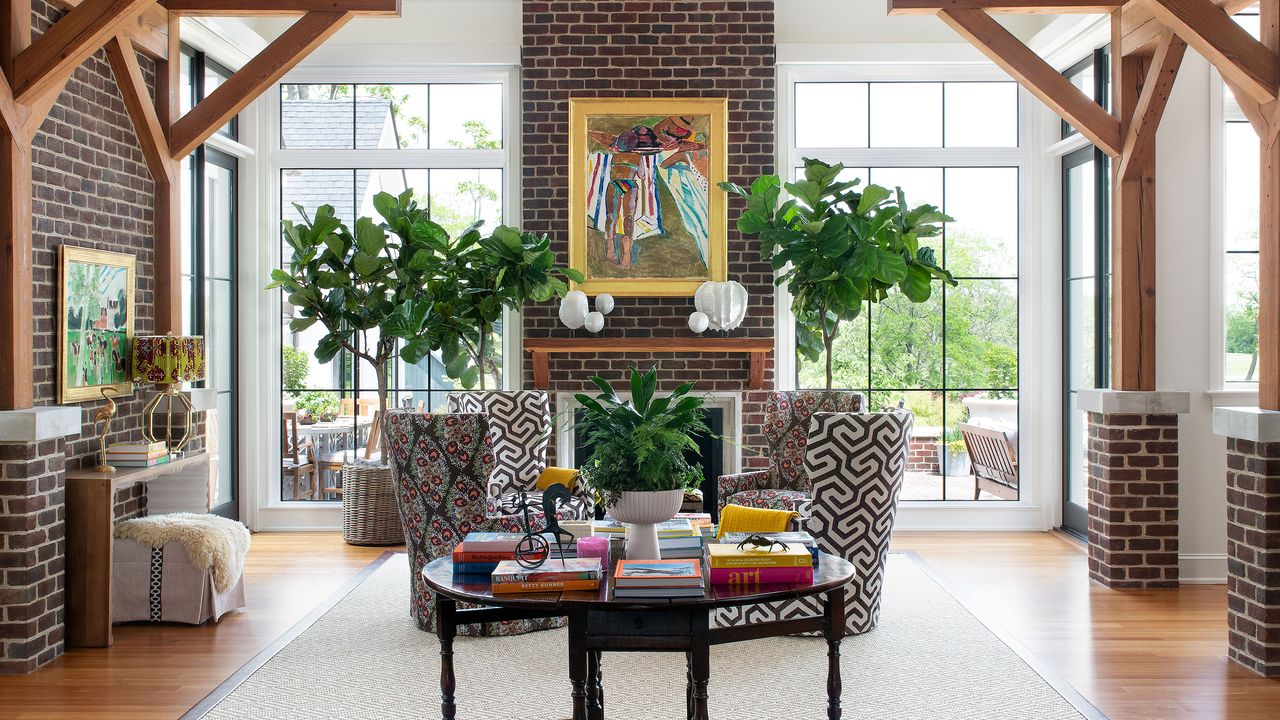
x=1151, y=37
x=33, y=74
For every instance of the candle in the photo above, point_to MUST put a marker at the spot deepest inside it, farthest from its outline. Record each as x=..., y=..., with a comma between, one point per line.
x=595, y=546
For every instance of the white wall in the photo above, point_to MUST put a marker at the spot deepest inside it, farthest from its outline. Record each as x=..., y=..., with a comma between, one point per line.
x=1183, y=318
x=868, y=21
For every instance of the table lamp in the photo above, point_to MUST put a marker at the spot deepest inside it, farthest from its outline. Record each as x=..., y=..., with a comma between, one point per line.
x=168, y=361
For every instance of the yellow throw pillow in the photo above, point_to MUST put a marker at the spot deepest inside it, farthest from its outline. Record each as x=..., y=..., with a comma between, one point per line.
x=567, y=477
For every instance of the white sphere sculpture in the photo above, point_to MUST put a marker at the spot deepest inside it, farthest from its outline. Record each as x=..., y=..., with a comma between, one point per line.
x=594, y=322
x=604, y=303
x=573, y=309
x=698, y=322
x=725, y=304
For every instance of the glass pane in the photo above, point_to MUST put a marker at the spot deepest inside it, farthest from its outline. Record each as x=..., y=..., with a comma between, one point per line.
x=1080, y=219
x=996, y=411
x=983, y=240
x=923, y=480
x=391, y=116
x=1085, y=80
x=460, y=197
x=219, y=340
x=981, y=114
x=313, y=188
x=1240, y=193
x=831, y=115
x=224, y=431
x=213, y=79
x=1081, y=334
x=1077, y=451
x=919, y=186
x=1240, y=304
x=466, y=116
x=982, y=334
x=906, y=343
x=188, y=308
x=395, y=181
x=1250, y=22
x=906, y=115
x=219, y=220
x=428, y=374
x=186, y=91
x=317, y=116
x=849, y=363
x=188, y=199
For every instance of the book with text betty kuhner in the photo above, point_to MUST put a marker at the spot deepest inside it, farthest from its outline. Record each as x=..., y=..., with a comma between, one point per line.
x=569, y=574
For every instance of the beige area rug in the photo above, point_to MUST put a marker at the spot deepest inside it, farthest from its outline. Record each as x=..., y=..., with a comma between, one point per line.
x=930, y=659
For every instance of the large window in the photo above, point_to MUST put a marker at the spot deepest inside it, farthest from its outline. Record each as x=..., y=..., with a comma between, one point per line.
x=340, y=145
x=953, y=359
x=209, y=251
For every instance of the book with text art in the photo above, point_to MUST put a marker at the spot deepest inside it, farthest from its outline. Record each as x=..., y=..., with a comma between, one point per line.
x=658, y=573
x=722, y=555
x=510, y=571
x=798, y=575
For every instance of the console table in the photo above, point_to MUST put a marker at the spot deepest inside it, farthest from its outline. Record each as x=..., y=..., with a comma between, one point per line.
x=541, y=348
x=90, y=519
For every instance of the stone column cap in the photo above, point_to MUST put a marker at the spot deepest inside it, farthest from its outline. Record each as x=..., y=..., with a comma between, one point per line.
x=1247, y=423
x=1135, y=402
x=40, y=423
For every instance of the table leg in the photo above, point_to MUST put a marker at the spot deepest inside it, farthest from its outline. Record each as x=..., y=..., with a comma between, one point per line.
x=446, y=628
x=700, y=664
x=595, y=686
x=688, y=685
x=578, y=664
x=834, y=631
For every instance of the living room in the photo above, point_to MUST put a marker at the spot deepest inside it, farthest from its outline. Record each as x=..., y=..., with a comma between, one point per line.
x=817, y=340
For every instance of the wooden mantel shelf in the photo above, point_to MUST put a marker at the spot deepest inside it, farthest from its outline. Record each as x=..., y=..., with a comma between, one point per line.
x=541, y=348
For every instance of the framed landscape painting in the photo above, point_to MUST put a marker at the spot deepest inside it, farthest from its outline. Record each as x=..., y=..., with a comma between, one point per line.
x=646, y=215
x=95, y=311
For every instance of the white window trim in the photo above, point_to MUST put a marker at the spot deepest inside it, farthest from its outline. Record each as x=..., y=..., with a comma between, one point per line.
x=262, y=508
x=1038, y=267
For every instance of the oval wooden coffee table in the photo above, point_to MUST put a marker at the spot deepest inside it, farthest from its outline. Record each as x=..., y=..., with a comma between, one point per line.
x=600, y=623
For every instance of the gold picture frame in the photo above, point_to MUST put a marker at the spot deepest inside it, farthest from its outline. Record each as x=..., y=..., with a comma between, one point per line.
x=94, y=288
x=648, y=170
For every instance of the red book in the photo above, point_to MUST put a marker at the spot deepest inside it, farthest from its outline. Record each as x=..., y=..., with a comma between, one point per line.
x=762, y=576
x=462, y=555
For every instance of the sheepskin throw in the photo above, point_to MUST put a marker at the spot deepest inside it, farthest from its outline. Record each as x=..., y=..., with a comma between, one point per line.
x=214, y=543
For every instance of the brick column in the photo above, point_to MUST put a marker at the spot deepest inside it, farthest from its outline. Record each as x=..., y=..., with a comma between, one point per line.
x=1133, y=487
x=1253, y=536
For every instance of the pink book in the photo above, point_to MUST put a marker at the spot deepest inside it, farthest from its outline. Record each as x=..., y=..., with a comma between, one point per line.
x=762, y=575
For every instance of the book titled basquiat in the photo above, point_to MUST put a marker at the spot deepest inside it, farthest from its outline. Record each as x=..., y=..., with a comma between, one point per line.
x=566, y=575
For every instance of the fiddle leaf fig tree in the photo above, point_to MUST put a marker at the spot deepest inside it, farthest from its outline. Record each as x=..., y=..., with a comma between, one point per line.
x=838, y=248
x=371, y=277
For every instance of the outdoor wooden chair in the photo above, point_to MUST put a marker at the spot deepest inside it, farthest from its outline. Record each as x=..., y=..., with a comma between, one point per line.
x=297, y=457
x=350, y=407
x=370, y=453
x=993, y=460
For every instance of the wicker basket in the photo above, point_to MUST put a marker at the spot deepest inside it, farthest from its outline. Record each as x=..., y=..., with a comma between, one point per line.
x=369, y=512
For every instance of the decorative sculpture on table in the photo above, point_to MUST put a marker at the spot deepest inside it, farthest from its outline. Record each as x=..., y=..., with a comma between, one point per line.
x=104, y=415
x=533, y=549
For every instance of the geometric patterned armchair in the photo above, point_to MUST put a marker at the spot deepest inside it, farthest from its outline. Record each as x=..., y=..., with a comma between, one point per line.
x=440, y=465
x=784, y=485
x=519, y=429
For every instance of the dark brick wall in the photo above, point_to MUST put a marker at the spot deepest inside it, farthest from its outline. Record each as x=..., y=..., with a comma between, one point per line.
x=650, y=49
x=1133, y=500
x=1253, y=555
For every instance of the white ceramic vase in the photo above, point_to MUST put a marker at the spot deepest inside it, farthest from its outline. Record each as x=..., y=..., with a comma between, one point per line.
x=642, y=511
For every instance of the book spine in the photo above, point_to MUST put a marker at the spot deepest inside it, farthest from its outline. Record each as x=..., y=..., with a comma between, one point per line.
x=762, y=561
x=474, y=568
x=545, y=585
x=762, y=576
x=543, y=576
x=472, y=556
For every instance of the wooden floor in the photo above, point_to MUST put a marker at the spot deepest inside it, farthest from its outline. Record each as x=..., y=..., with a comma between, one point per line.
x=1136, y=655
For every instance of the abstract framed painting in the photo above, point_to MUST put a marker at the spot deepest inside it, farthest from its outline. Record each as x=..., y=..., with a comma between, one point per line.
x=646, y=215
x=96, y=314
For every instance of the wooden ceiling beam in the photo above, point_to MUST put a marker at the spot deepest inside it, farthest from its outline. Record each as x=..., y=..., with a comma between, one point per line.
x=1037, y=76
x=149, y=32
x=242, y=8
x=1141, y=31
x=1222, y=41
x=46, y=64
x=1046, y=7
x=253, y=79
x=1140, y=138
x=142, y=109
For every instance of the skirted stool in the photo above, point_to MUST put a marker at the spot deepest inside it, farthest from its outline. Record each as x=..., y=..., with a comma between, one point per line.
x=180, y=567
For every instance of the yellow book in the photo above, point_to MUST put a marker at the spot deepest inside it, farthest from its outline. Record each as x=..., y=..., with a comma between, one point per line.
x=721, y=555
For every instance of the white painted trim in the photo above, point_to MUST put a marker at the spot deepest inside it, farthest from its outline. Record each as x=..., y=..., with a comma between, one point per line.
x=229, y=42
x=222, y=143
x=1216, y=332
x=971, y=516
x=1234, y=397
x=338, y=54
x=1067, y=145
x=895, y=53
x=40, y=423
x=1070, y=38
x=1202, y=568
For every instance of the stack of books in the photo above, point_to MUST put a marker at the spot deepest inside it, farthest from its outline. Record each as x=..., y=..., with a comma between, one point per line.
x=753, y=566
x=553, y=575
x=658, y=579
x=795, y=537
x=701, y=522
x=680, y=546
x=478, y=555
x=137, y=454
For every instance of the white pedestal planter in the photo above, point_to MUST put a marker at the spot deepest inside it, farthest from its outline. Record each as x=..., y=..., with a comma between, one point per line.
x=642, y=511
x=989, y=412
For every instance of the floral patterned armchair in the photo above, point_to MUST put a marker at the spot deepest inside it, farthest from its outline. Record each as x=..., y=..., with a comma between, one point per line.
x=520, y=428
x=784, y=485
x=441, y=466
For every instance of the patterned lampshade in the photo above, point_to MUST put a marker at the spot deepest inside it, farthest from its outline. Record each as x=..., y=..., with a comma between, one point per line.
x=167, y=359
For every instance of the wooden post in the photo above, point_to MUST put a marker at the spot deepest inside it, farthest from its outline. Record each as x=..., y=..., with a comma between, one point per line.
x=168, y=199
x=16, y=375
x=1269, y=237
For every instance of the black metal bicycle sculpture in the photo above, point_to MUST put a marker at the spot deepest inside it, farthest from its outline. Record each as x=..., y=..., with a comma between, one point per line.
x=533, y=549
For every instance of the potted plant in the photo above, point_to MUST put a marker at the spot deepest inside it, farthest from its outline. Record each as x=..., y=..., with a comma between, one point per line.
x=316, y=406
x=838, y=248
x=953, y=456
x=637, y=461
